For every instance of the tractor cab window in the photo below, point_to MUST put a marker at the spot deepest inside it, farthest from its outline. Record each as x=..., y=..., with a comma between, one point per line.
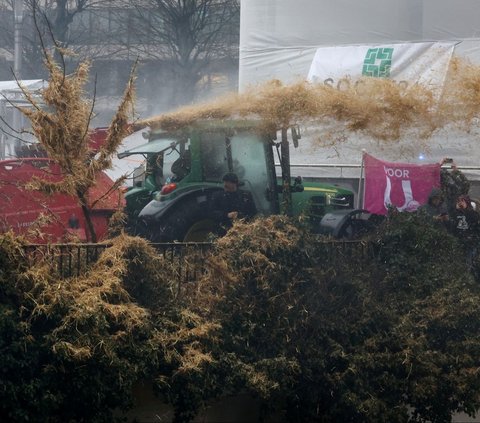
x=249, y=162
x=243, y=154
x=214, y=156
x=181, y=166
x=159, y=161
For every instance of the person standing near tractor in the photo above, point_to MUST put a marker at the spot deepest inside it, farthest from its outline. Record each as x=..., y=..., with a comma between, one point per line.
x=453, y=184
x=232, y=203
x=466, y=226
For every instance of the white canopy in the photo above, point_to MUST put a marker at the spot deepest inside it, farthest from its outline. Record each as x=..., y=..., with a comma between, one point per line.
x=10, y=90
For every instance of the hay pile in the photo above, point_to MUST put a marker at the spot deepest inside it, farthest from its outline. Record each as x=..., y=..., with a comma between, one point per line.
x=379, y=108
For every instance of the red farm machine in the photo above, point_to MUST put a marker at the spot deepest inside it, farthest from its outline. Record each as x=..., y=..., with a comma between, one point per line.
x=59, y=217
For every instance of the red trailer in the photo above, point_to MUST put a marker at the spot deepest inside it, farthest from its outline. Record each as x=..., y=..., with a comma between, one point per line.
x=20, y=208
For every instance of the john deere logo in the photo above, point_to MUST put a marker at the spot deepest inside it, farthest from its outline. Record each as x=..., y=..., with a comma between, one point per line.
x=378, y=62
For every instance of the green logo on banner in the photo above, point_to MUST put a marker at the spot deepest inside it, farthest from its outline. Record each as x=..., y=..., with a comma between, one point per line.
x=378, y=62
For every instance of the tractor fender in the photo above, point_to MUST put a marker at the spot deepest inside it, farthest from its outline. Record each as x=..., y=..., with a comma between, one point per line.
x=335, y=223
x=156, y=210
x=168, y=221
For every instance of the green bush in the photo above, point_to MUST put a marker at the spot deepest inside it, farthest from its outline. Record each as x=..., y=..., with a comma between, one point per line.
x=361, y=340
x=389, y=337
x=71, y=349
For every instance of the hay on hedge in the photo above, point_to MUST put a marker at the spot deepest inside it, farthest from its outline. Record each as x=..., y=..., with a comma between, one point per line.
x=261, y=319
x=107, y=304
x=257, y=243
x=250, y=251
x=129, y=294
x=12, y=256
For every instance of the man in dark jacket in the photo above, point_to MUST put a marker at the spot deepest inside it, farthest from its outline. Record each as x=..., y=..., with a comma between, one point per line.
x=453, y=183
x=232, y=203
x=465, y=225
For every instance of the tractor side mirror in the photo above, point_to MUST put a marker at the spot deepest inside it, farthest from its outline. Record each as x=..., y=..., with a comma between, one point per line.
x=296, y=135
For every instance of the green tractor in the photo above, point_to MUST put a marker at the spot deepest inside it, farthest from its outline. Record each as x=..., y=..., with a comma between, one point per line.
x=183, y=169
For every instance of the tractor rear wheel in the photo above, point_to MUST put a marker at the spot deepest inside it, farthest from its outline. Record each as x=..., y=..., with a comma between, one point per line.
x=200, y=230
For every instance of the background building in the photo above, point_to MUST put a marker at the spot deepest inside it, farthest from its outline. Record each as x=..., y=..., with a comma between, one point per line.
x=187, y=50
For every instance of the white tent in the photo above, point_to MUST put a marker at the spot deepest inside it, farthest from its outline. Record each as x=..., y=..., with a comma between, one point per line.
x=279, y=40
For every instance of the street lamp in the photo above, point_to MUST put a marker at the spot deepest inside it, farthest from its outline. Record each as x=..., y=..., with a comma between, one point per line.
x=18, y=15
x=17, y=56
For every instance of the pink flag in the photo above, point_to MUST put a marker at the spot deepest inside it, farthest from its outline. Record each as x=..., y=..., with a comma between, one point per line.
x=402, y=185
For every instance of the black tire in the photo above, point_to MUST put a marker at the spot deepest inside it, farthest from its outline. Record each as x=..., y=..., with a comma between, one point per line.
x=355, y=226
x=200, y=231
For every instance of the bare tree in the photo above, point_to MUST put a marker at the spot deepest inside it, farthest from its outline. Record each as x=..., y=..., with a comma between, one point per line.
x=184, y=35
x=68, y=22
x=63, y=13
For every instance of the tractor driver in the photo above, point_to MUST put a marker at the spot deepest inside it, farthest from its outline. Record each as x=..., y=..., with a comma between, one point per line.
x=232, y=203
x=154, y=168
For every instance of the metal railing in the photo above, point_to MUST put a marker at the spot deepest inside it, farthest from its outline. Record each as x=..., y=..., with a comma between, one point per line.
x=335, y=252
x=336, y=170
x=357, y=166
x=66, y=260
x=186, y=258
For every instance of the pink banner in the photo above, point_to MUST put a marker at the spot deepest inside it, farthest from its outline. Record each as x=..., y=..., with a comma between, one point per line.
x=402, y=185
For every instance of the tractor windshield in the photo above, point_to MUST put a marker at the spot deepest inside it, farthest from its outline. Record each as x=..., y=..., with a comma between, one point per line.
x=165, y=160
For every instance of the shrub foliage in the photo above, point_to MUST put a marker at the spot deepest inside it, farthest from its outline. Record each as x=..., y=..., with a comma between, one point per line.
x=385, y=337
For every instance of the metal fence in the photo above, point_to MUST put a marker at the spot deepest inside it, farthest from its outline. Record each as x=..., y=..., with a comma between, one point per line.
x=187, y=258
x=68, y=260
x=65, y=259
x=334, y=252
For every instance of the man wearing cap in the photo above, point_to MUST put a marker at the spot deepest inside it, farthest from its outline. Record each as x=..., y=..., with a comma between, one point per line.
x=436, y=207
x=232, y=203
